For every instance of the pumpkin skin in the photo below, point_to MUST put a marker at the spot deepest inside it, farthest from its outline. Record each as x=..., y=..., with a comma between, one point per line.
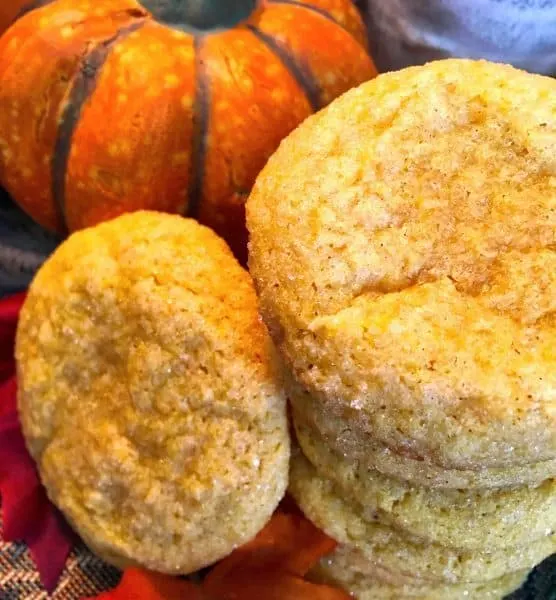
x=106, y=107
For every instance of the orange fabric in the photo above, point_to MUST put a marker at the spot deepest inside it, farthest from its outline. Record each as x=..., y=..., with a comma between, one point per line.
x=274, y=586
x=271, y=566
x=288, y=544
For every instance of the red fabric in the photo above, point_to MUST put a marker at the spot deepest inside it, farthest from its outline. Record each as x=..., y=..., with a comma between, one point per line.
x=28, y=515
x=9, y=312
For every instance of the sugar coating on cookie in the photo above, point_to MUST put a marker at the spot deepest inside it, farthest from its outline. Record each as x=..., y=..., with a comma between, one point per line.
x=403, y=247
x=359, y=446
x=365, y=581
x=344, y=520
x=148, y=393
x=481, y=520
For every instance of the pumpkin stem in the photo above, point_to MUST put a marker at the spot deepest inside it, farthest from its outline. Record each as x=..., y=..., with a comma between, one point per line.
x=201, y=15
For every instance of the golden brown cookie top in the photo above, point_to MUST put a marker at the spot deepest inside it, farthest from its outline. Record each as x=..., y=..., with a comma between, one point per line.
x=148, y=392
x=402, y=243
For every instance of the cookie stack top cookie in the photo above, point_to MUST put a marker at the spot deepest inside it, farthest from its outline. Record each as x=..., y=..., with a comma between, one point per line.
x=402, y=244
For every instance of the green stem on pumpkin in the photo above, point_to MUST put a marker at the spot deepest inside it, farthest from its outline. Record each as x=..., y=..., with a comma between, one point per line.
x=201, y=15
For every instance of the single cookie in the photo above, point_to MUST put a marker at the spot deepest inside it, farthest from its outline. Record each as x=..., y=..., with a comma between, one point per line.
x=148, y=393
x=343, y=521
x=345, y=438
x=483, y=520
x=402, y=245
x=342, y=569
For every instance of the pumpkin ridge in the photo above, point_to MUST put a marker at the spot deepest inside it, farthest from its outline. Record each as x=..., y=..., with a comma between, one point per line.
x=200, y=129
x=300, y=72
x=315, y=9
x=83, y=86
x=323, y=12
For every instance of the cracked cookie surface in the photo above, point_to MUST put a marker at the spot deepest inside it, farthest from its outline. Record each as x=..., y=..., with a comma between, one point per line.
x=403, y=248
x=148, y=393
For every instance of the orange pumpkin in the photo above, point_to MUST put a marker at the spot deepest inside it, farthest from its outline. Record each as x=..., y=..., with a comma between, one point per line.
x=108, y=106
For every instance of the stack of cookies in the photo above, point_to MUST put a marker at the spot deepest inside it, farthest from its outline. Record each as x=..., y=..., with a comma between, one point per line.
x=403, y=248
x=401, y=538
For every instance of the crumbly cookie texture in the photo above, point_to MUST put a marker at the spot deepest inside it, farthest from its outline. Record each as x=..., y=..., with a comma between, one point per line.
x=472, y=520
x=149, y=395
x=359, y=446
x=402, y=244
x=343, y=520
x=365, y=581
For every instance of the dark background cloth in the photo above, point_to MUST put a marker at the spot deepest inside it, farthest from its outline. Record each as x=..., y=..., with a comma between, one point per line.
x=413, y=32
x=24, y=246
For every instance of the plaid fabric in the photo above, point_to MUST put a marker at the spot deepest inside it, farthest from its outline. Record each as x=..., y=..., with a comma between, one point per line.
x=84, y=575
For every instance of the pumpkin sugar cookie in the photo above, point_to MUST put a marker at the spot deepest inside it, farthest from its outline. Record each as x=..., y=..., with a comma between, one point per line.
x=148, y=393
x=374, y=583
x=346, y=439
x=474, y=520
x=402, y=245
x=436, y=565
